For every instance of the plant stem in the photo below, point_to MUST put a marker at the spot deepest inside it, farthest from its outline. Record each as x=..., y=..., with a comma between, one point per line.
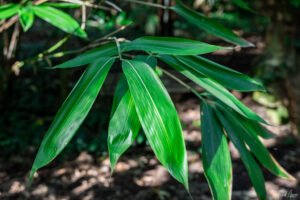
x=182, y=83
x=148, y=4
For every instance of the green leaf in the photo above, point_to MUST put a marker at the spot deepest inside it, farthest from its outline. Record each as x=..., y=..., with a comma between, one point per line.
x=251, y=165
x=209, y=25
x=158, y=117
x=250, y=137
x=26, y=17
x=170, y=46
x=72, y=113
x=215, y=155
x=107, y=50
x=242, y=4
x=212, y=87
x=227, y=77
x=124, y=124
x=150, y=60
x=8, y=10
x=59, y=19
x=62, y=5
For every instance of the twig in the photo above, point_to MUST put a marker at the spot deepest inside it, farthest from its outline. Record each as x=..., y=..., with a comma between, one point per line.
x=148, y=4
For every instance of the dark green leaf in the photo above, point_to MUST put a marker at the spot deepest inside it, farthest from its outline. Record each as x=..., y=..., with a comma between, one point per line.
x=227, y=77
x=124, y=124
x=242, y=4
x=215, y=155
x=251, y=165
x=250, y=137
x=72, y=113
x=26, y=17
x=8, y=10
x=170, y=46
x=209, y=25
x=107, y=50
x=59, y=19
x=212, y=87
x=158, y=117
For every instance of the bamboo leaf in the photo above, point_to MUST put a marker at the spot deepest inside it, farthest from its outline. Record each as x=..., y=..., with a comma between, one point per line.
x=212, y=87
x=209, y=25
x=170, y=46
x=26, y=17
x=72, y=113
x=158, y=118
x=227, y=77
x=124, y=124
x=8, y=10
x=251, y=165
x=59, y=19
x=215, y=155
x=242, y=4
x=107, y=50
x=250, y=137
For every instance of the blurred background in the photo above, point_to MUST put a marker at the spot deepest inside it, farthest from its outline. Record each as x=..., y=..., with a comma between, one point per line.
x=30, y=95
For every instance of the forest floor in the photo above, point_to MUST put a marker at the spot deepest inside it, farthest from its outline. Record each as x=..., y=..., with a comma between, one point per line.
x=139, y=176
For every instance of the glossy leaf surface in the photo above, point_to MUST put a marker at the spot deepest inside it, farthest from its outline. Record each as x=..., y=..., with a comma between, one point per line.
x=251, y=165
x=170, y=46
x=215, y=155
x=72, y=113
x=227, y=77
x=209, y=25
x=59, y=19
x=212, y=87
x=158, y=117
x=124, y=124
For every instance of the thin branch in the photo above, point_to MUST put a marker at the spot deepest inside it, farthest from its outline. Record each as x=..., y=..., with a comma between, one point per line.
x=149, y=4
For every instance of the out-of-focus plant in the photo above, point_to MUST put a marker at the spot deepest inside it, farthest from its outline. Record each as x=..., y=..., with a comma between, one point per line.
x=142, y=102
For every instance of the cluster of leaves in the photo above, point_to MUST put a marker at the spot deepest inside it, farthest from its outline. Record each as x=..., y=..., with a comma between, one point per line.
x=142, y=102
x=49, y=12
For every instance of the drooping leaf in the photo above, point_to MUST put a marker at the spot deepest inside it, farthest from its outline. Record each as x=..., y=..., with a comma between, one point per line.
x=26, y=17
x=170, y=46
x=209, y=25
x=251, y=165
x=107, y=50
x=124, y=124
x=215, y=155
x=227, y=77
x=242, y=4
x=8, y=10
x=250, y=137
x=158, y=117
x=212, y=87
x=59, y=19
x=72, y=113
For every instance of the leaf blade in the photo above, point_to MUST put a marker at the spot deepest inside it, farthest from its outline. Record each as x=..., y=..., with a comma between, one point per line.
x=59, y=19
x=26, y=18
x=72, y=113
x=209, y=25
x=158, y=117
x=215, y=155
x=8, y=10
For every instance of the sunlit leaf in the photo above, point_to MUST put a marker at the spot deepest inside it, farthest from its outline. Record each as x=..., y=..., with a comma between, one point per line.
x=170, y=46
x=209, y=25
x=59, y=19
x=227, y=77
x=72, y=113
x=124, y=124
x=26, y=17
x=251, y=165
x=8, y=10
x=212, y=87
x=62, y=5
x=158, y=117
x=215, y=155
